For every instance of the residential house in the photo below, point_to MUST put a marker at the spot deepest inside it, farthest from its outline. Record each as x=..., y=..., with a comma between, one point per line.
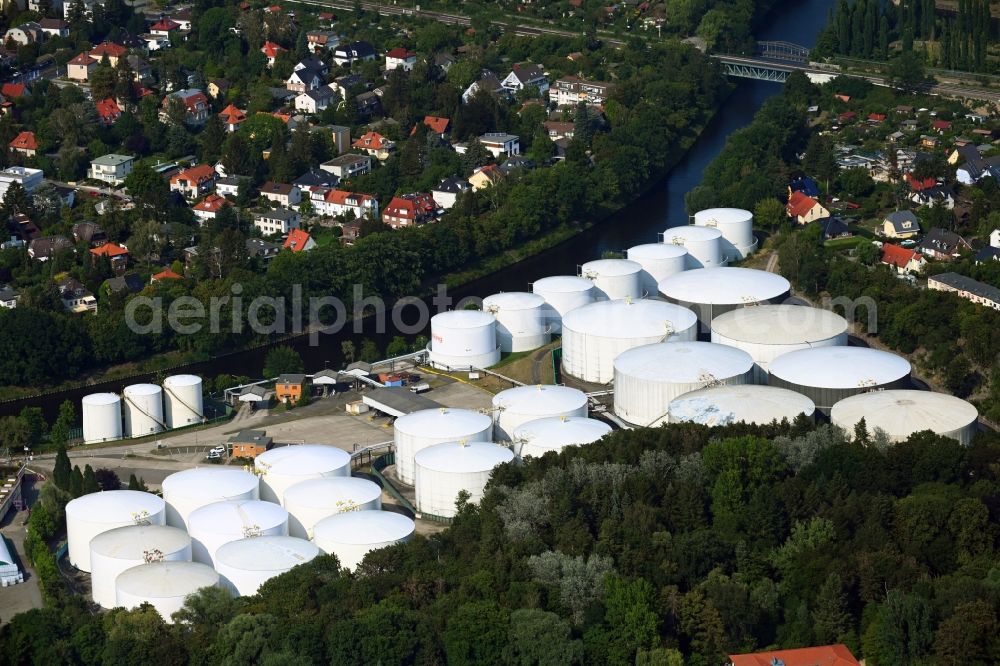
x=943, y=245
x=400, y=58
x=11, y=91
x=316, y=178
x=876, y=118
x=833, y=228
x=306, y=76
x=46, y=247
x=825, y=655
x=26, y=177
x=900, y=224
x=938, y=195
x=25, y=143
x=116, y=254
x=89, y=233
x=350, y=231
x=348, y=54
x=487, y=81
x=8, y=297
x=24, y=34
x=804, y=209
x=278, y=221
x=571, y=90
x=249, y=443
x=165, y=27
x=369, y=105
x=485, y=176
x=75, y=297
x=332, y=203
x=54, y=27
x=81, y=67
x=447, y=191
x=314, y=101
x=941, y=126
x=258, y=248
x=141, y=71
x=435, y=125
x=973, y=165
x=523, y=77
x=903, y=260
x=341, y=137
x=232, y=117
x=195, y=103
x=409, y=210
x=444, y=61
x=967, y=288
x=109, y=50
x=321, y=41
x=183, y=18
x=376, y=145
x=218, y=88
x=111, y=168
x=348, y=165
x=108, y=111
x=516, y=163
x=165, y=274
x=123, y=284
x=558, y=130
x=299, y=241
x=271, y=51
x=805, y=185
x=289, y=388
x=909, y=125
x=283, y=194
x=501, y=144
x=194, y=181
x=152, y=43
x=209, y=207
x=928, y=142
x=348, y=84
x=228, y=186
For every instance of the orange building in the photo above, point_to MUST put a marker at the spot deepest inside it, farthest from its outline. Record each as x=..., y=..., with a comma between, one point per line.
x=289, y=387
x=249, y=443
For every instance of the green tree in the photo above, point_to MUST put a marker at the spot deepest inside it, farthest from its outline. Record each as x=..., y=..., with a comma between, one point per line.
x=348, y=350
x=476, y=633
x=76, y=482
x=831, y=613
x=369, y=350
x=136, y=483
x=770, y=214
x=89, y=484
x=282, y=360
x=541, y=637
x=63, y=470
x=906, y=71
x=969, y=637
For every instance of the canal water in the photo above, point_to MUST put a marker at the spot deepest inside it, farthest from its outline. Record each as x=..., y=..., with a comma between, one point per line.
x=798, y=21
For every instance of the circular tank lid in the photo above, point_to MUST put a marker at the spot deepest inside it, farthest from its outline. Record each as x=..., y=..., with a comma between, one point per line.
x=210, y=482
x=779, y=324
x=678, y=235
x=463, y=457
x=839, y=367
x=562, y=284
x=724, y=286
x=610, y=267
x=540, y=399
x=164, y=580
x=558, y=431
x=302, y=459
x=142, y=389
x=114, y=506
x=182, y=380
x=721, y=405
x=683, y=362
x=266, y=553
x=443, y=423
x=513, y=300
x=628, y=319
x=364, y=527
x=331, y=491
x=99, y=399
x=236, y=516
x=901, y=412
x=132, y=542
x=463, y=319
x=656, y=251
x=723, y=215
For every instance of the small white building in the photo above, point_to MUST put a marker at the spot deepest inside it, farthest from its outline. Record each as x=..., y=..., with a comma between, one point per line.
x=400, y=58
x=348, y=165
x=501, y=144
x=27, y=177
x=278, y=221
x=111, y=168
x=283, y=194
x=526, y=76
x=314, y=101
x=446, y=193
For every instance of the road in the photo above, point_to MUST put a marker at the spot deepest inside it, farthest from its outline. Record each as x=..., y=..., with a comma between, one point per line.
x=27, y=595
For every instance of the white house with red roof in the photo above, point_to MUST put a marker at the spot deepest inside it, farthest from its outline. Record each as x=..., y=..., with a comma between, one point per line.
x=299, y=241
x=409, y=210
x=25, y=143
x=195, y=102
x=271, y=50
x=331, y=203
x=375, y=145
x=111, y=50
x=901, y=259
x=436, y=125
x=400, y=58
x=80, y=67
x=108, y=111
x=165, y=27
x=209, y=207
x=194, y=181
x=804, y=209
x=232, y=117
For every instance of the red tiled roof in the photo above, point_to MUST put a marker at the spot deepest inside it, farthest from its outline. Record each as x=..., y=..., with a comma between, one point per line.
x=895, y=255
x=271, y=50
x=25, y=141
x=436, y=125
x=341, y=196
x=196, y=174
x=165, y=25
x=166, y=274
x=400, y=53
x=876, y=117
x=847, y=115
x=213, y=203
x=14, y=90
x=109, y=250
x=800, y=204
x=941, y=125
x=110, y=49
x=83, y=59
x=920, y=185
x=108, y=110
x=825, y=655
x=371, y=141
x=400, y=207
x=297, y=240
x=232, y=116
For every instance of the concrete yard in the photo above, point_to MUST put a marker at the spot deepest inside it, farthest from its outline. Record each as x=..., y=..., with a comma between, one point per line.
x=27, y=595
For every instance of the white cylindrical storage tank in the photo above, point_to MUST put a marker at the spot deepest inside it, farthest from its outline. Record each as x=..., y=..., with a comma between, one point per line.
x=647, y=378
x=463, y=339
x=614, y=278
x=659, y=261
x=527, y=403
x=434, y=426
x=710, y=292
x=597, y=333
x=216, y=524
x=122, y=548
x=536, y=438
x=749, y=403
x=736, y=225
x=562, y=294
x=182, y=400
x=92, y=514
x=350, y=536
x=247, y=564
x=827, y=375
x=444, y=470
x=102, y=417
x=281, y=468
x=901, y=413
x=768, y=331
x=520, y=316
x=163, y=585
x=194, y=488
x=703, y=245
x=311, y=501
x=142, y=407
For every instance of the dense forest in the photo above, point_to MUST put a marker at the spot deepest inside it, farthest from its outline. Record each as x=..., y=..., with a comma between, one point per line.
x=670, y=545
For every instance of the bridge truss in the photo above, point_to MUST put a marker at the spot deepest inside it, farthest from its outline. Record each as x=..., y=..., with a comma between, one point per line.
x=759, y=72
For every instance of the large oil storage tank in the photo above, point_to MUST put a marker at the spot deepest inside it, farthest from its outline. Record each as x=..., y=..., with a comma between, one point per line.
x=827, y=375
x=142, y=408
x=434, y=426
x=900, y=413
x=163, y=585
x=182, y=400
x=350, y=536
x=463, y=339
x=102, y=417
x=703, y=245
x=311, y=501
x=659, y=261
x=562, y=294
x=768, y=331
x=614, y=278
x=710, y=292
x=281, y=468
x=122, y=548
x=247, y=564
x=521, y=324
x=216, y=524
x=736, y=225
x=749, y=403
x=538, y=437
x=92, y=514
x=194, y=488
x=445, y=470
x=527, y=403
x=647, y=378
x=597, y=333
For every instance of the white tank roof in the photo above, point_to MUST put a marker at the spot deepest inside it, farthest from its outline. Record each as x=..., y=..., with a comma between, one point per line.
x=656, y=251
x=839, y=367
x=329, y=491
x=630, y=319
x=722, y=405
x=210, y=481
x=901, y=413
x=166, y=580
x=364, y=527
x=683, y=362
x=540, y=399
x=132, y=541
x=464, y=319
x=303, y=459
x=235, y=516
x=266, y=553
x=514, y=300
x=779, y=324
x=443, y=423
x=723, y=215
x=562, y=284
x=559, y=431
x=724, y=286
x=113, y=506
x=611, y=267
x=690, y=233
x=98, y=399
x=462, y=458
x=182, y=380
x=142, y=389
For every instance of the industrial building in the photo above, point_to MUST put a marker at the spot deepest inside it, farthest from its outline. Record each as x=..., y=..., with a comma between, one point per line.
x=92, y=514
x=281, y=468
x=218, y=523
x=352, y=535
x=538, y=437
x=445, y=470
x=614, y=278
x=710, y=292
x=563, y=294
x=464, y=339
x=311, y=501
x=418, y=430
x=736, y=226
x=520, y=320
x=901, y=413
x=522, y=404
x=747, y=403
